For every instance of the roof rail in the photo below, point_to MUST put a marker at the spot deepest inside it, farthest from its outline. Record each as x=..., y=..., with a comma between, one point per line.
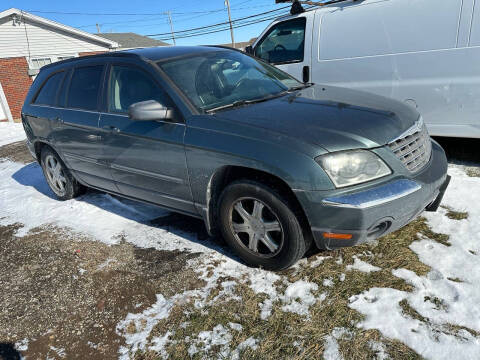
x=297, y=7
x=105, y=54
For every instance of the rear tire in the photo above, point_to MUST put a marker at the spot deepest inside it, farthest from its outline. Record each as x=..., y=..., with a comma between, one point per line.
x=58, y=177
x=260, y=225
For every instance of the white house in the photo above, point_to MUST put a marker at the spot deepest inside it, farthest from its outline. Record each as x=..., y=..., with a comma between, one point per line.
x=28, y=42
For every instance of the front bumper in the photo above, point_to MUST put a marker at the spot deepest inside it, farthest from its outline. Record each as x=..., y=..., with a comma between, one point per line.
x=372, y=211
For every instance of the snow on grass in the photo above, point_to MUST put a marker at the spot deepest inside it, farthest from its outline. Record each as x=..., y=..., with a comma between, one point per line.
x=220, y=337
x=318, y=261
x=331, y=351
x=445, y=320
x=137, y=327
x=11, y=132
x=298, y=297
x=22, y=345
x=379, y=349
x=361, y=265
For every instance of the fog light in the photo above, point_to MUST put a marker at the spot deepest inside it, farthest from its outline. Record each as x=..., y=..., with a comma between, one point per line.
x=337, y=236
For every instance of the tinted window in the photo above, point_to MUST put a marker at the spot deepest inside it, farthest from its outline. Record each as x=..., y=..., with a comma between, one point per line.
x=48, y=92
x=284, y=42
x=129, y=85
x=62, y=94
x=84, y=86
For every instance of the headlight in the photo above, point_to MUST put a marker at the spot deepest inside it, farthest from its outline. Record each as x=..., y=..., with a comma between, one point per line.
x=353, y=167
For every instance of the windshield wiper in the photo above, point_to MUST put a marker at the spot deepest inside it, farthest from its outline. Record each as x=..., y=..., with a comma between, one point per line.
x=300, y=87
x=239, y=103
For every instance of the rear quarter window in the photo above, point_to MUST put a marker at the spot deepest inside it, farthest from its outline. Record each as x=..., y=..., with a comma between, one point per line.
x=49, y=90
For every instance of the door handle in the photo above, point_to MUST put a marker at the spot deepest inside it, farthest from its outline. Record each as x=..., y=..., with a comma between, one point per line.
x=111, y=128
x=306, y=74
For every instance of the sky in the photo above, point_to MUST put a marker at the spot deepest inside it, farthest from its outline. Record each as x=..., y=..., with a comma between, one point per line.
x=146, y=18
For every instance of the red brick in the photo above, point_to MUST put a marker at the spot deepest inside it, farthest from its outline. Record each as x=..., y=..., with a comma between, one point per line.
x=15, y=82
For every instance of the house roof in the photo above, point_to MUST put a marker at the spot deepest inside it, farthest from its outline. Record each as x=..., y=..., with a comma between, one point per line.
x=241, y=44
x=132, y=40
x=58, y=26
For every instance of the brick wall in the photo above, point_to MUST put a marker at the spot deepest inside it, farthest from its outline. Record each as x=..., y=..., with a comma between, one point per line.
x=15, y=82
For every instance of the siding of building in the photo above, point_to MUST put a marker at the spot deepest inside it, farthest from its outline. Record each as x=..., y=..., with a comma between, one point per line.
x=42, y=40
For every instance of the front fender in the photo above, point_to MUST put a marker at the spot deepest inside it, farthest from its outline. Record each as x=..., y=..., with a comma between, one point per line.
x=210, y=148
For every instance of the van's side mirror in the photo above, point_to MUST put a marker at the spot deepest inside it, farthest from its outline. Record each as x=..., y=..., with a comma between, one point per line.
x=149, y=110
x=249, y=49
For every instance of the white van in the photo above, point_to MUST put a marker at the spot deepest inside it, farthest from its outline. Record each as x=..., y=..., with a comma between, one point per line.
x=423, y=52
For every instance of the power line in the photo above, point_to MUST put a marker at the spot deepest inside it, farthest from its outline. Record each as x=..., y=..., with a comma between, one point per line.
x=182, y=18
x=200, y=33
x=121, y=14
x=225, y=28
x=224, y=23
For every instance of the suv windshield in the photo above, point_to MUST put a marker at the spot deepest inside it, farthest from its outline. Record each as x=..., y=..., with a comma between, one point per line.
x=222, y=78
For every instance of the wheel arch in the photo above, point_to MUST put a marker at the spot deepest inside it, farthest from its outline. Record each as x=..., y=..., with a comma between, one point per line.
x=38, y=146
x=225, y=175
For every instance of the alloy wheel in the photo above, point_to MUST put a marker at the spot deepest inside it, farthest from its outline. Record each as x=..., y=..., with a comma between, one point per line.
x=256, y=227
x=55, y=175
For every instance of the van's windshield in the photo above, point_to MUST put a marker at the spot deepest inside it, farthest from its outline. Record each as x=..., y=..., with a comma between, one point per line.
x=219, y=79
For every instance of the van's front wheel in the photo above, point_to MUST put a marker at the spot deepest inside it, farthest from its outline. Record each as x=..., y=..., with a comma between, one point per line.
x=260, y=226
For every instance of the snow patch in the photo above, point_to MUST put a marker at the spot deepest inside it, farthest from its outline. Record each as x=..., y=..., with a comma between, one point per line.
x=11, y=132
x=438, y=297
x=143, y=324
x=379, y=348
x=362, y=266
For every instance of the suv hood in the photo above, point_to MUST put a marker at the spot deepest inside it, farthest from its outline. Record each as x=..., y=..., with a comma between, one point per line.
x=331, y=117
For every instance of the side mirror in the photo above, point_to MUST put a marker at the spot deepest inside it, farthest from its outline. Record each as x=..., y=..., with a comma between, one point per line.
x=249, y=49
x=149, y=110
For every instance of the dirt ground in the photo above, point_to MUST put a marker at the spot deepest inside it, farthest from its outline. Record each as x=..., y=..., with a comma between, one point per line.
x=68, y=293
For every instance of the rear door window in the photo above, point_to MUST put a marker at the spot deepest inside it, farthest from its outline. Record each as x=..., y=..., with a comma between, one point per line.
x=48, y=93
x=284, y=42
x=84, y=87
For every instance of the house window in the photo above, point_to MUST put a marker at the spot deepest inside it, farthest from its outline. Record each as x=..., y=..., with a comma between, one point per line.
x=37, y=63
x=59, y=58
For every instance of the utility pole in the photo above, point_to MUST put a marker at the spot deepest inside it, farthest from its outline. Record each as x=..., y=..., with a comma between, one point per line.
x=98, y=28
x=169, y=14
x=227, y=3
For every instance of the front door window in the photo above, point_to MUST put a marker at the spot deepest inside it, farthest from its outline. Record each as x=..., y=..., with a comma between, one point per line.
x=284, y=42
x=129, y=85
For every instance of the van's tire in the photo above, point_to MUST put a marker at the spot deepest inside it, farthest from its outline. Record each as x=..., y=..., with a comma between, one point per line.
x=58, y=177
x=258, y=223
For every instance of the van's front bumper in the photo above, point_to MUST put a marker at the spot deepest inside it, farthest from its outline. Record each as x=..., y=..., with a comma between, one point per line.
x=356, y=216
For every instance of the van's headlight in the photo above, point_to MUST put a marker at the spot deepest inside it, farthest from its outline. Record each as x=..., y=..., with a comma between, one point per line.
x=353, y=167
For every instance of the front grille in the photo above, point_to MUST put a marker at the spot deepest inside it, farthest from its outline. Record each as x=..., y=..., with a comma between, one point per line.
x=414, y=149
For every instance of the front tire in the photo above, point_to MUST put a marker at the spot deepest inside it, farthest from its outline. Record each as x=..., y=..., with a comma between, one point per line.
x=260, y=226
x=58, y=177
